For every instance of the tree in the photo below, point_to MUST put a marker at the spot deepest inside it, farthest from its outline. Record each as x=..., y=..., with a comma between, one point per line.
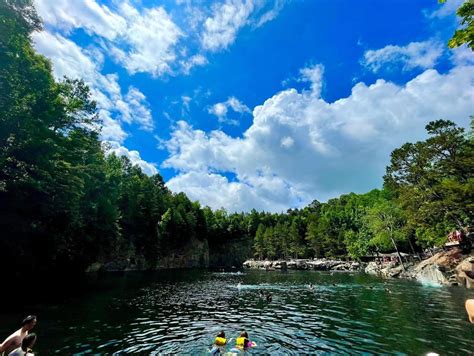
x=385, y=220
x=464, y=35
x=259, y=244
x=433, y=181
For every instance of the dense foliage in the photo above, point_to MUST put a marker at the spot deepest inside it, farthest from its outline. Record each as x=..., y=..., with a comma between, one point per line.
x=66, y=203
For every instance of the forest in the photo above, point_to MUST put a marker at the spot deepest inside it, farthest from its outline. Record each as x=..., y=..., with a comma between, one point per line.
x=65, y=202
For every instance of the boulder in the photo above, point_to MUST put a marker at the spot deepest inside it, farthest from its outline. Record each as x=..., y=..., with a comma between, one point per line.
x=95, y=267
x=279, y=265
x=465, y=272
x=372, y=268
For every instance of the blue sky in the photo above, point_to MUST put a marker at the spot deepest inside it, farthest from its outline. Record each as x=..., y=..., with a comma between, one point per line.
x=264, y=104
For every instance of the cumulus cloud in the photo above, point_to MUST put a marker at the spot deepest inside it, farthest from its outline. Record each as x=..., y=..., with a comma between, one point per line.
x=134, y=157
x=142, y=41
x=220, y=110
x=114, y=108
x=220, y=29
x=71, y=60
x=87, y=14
x=422, y=55
x=227, y=18
x=301, y=148
x=148, y=43
x=462, y=56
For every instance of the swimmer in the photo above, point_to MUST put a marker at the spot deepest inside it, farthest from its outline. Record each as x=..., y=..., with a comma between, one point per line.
x=269, y=297
x=388, y=291
x=243, y=341
x=15, y=340
x=311, y=287
x=261, y=294
x=26, y=346
x=470, y=309
x=220, y=339
x=239, y=285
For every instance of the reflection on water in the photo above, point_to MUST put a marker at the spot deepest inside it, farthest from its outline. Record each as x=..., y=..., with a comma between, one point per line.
x=182, y=311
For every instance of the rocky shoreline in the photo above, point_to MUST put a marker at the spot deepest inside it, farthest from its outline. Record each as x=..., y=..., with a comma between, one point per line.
x=450, y=267
x=305, y=264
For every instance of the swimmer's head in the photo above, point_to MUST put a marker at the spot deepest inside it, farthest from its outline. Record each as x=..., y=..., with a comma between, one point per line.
x=29, y=322
x=221, y=334
x=244, y=334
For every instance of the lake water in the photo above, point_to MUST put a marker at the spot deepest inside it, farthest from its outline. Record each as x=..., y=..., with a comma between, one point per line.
x=180, y=312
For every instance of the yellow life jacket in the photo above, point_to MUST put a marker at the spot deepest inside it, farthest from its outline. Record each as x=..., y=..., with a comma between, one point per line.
x=219, y=341
x=240, y=341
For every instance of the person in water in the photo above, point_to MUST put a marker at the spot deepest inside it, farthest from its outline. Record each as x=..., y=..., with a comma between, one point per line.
x=220, y=339
x=470, y=309
x=15, y=340
x=243, y=340
x=26, y=346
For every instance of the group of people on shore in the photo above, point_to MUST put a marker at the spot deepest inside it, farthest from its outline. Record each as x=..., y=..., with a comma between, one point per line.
x=21, y=342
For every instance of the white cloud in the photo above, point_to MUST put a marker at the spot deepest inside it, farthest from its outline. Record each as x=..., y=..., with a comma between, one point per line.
x=462, y=56
x=270, y=14
x=446, y=9
x=227, y=18
x=142, y=41
x=114, y=108
x=135, y=108
x=195, y=61
x=301, y=148
x=220, y=110
x=422, y=55
x=314, y=75
x=134, y=157
x=217, y=191
x=87, y=14
x=149, y=40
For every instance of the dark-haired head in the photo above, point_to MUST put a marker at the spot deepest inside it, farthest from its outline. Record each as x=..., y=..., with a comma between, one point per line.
x=244, y=334
x=221, y=334
x=28, y=342
x=29, y=322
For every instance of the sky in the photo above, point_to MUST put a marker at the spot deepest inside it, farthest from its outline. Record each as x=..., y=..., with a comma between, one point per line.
x=265, y=104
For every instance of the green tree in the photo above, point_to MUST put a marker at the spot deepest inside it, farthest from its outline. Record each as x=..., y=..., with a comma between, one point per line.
x=386, y=222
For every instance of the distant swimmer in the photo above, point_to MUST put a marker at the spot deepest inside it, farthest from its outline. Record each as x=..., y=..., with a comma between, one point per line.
x=14, y=340
x=470, y=309
x=239, y=285
x=26, y=346
x=261, y=294
x=311, y=287
x=388, y=291
x=269, y=297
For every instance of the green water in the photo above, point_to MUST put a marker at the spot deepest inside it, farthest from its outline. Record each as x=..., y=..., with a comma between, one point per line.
x=181, y=311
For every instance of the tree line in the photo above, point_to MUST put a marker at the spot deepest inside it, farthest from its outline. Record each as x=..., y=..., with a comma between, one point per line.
x=66, y=203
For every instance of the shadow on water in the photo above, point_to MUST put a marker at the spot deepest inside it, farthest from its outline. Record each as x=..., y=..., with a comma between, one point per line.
x=180, y=311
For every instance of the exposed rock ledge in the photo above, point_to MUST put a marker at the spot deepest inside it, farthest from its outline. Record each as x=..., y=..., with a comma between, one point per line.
x=444, y=268
x=304, y=264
